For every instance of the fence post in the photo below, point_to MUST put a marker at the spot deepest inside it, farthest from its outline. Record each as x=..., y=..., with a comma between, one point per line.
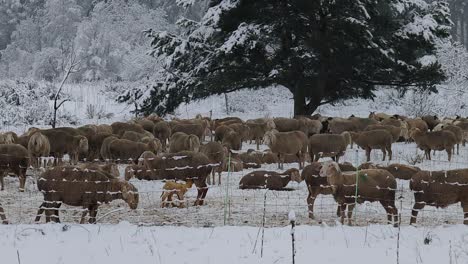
x=357, y=183
x=292, y=219
x=226, y=198
x=263, y=222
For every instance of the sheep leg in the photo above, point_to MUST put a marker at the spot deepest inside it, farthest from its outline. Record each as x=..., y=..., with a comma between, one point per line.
x=181, y=198
x=416, y=208
x=22, y=179
x=390, y=153
x=338, y=210
x=93, y=214
x=342, y=214
x=164, y=197
x=219, y=175
x=384, y=153
x=350, y=213
x=2, y=216
x=299, y=157
x=2, y=182
x=310, y=202
x=83, y=215
x=449, y=153
x=257, y=141
x=368, y=151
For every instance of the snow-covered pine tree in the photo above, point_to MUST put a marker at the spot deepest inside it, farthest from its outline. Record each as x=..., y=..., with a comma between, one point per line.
x=322, y=51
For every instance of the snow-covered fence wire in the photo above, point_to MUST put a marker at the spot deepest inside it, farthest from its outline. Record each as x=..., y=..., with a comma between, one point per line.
x=246, y=206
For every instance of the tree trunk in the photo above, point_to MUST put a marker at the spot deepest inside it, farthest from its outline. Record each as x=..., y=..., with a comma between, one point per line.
x=301, y=107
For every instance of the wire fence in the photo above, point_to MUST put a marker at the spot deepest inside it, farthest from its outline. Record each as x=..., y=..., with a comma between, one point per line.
x=226, y=204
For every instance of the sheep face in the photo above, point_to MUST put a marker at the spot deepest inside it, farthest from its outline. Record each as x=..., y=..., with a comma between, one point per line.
x=130, y=195
x=83, y=144
x=268, y=139
x=296, y=176
x=113, y=170
x=332, y=171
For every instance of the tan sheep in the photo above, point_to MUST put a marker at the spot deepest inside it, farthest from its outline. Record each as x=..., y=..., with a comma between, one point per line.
x=328, y=145
x=190, y=129
x=374, y=186
x=104, y=128
x=162, y=131
x=127, y=150
x=216, y=153
x=375, y=139
x=457, y=131
x=339, y=125
x=438, y=140
x=38, y=147
x=282, y=143
x=232, y=140
x=361, y=123
x=105, y=151
x=283, y=124
x=393, y=130
x=242, y=129
x=180, y=141
x=172, y=188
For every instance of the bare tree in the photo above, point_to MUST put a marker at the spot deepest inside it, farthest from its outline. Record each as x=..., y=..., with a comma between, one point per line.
x=72, y=66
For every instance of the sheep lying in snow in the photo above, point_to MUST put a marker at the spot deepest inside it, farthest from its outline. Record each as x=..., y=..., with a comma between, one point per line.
x=282, y=143
x=75, y=186
x=438, y=140
x=269, y=179
x=374, y=139
x=440, y=189
x=374, y=186
x=170, y=188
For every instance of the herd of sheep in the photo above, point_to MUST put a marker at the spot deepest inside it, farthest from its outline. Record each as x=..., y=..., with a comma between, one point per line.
x=187, y=152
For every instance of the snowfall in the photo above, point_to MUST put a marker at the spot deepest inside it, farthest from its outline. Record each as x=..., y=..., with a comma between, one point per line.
x=229, y=228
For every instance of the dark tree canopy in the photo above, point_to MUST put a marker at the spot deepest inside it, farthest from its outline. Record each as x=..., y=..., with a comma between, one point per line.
x=322, y=51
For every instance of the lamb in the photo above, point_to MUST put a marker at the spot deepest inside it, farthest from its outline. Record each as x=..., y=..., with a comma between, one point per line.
x=457, y=131
x=375, y=139
x=162, y=131
x=81, y=187
x=216, y=153
x=64, y=143
x=127, y=150
x=438, y=140
x=14, y=158
x=394, y=131
x=38, y=147
x=232, y=140
x=282, y=143
x=269, y=179
x=183, y=166
x=440, y=189
x=105, y=151
x=119, y=128
x=190, y=129
x=181, y=141
x=170, y=188
x=374, y=186
x=328, y=145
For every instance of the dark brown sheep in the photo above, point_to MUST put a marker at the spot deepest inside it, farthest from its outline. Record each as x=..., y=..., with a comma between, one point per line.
x=431, y=121
x=75, y=186
x=269, y=179
x=64, y=143
x=220, y=131
x=105, y=147
x=94, y=146
x=374, y=186
x=182, y=166
x=14, y=158
x=374, y=139
x=216, y=153
x=393, y=130
x=162, y=131
x=440, y=189
x=316, y=184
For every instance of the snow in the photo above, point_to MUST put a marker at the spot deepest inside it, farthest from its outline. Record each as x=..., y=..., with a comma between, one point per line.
x=125, y=243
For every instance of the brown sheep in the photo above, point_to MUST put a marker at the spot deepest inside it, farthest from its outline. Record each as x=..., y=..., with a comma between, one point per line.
x=14, y=158
x=232, y=140
x=258, y=128
x=221, y=131
x=183, y=166
x=249, y=160
x=374, y=186
x=361, y=123
x=119, y=128
x=181, y=141
x=393, y=130
x=282, y=143
x=64, y=143
x=431, y=121
x=8, y=138
x=316, y=185
x=105, y=151
x=379, y=116
x=269, y=179
x=438, y=140
x=399, y=171
x=104, y=129
x=74, y=186
x=95, y=144
x=457, y=131
x=339, y=125
x=135, y=136
x=139, y=172
x=233, y=164
x=127, y=150
x=147, y=125
x=440, y=189
x=190, y=129
x=38, y=147
x=417, y=123
x=374, y=139
x=288, y=124
x=312, y=126
x=268, y=157
x=162, y=131
x=242, y=129
x=216, y=153
x=328, y=145
x=170, y=188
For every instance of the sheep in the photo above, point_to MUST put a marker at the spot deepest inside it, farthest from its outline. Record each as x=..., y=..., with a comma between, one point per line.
x=417, y=123
x=440, y=189
x=362, y=123
x=162, y=131
x=347, y=166
x=431, y=121
x=170, y=188
x=147, y=125
x=249, y=160
x=14, y=158
x=394, y=131
x=119, y=128
x=374, y=139
x=140, y=172
x=135, y=136
x=8, y=138
x=438, y=140
x=216, y=153
x=374, y=185
x=233, y=164
x=312, y=126
x=457, y=131
x=282, y=143
x=3, y=216
x=232, y=140
x=38, y=146
x=379, y=116
x=257, y=131
x=221, y=131
x=268, y=157
x=316, y=185
x=180, y=141
x=74, y=186
x=288, y=124
x=182, y=166
x=127, y=150
x=269, y=179
x=328, y=145
x=95, y=144
x=241, y=129
x=109, y=168
x=338, y=125
x=190, y=129
x=64, y=143
x=399, y=171
x=104, y=128
x=105, y=151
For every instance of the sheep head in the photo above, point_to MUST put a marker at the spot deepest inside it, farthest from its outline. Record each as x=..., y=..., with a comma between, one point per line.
x=130, y=194
x=31, y=131
x=155, y=145
x=332, y=171
x=82, y=144
x=295, y=175
x=269, y=138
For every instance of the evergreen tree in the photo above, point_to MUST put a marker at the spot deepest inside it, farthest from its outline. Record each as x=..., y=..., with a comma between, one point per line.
x=322, y=51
